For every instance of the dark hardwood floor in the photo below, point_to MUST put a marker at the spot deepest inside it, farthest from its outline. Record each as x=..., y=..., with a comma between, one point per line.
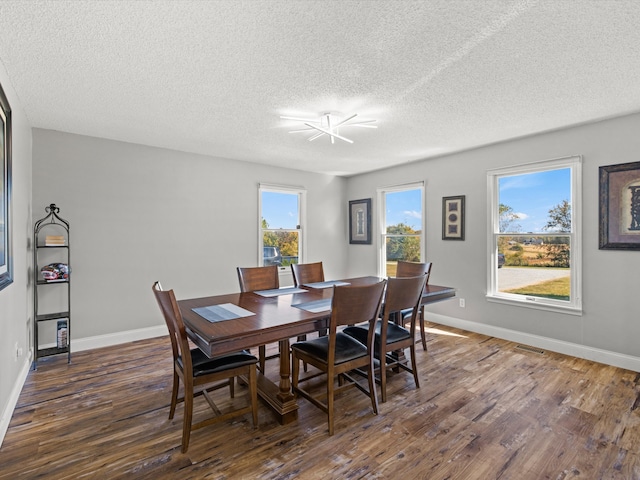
x=485, y=410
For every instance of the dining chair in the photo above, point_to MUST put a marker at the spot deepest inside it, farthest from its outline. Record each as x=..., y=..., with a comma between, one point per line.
x=261, y=278
x=402, y=293
x=200, y=375
x=336, y=354
x=413, y=269
x=252, y=279
x=304, y=273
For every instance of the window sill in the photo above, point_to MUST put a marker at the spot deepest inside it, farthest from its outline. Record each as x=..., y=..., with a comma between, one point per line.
x=538, y=305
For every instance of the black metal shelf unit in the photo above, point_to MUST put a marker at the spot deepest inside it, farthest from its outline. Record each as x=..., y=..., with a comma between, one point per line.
x=44, y=247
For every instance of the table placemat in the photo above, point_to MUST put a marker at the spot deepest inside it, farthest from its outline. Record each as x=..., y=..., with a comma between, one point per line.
x=316, y=306
x=225, y=311
x=279, y=291
x=327, y=284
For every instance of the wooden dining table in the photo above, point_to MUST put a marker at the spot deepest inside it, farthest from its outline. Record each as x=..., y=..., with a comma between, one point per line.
x=274, y=316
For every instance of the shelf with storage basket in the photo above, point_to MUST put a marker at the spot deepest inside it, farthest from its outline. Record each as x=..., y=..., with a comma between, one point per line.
x=51, y=305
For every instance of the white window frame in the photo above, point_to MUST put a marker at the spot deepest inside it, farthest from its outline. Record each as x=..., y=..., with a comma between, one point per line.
x=302, y=216
x=574, y=305
x=382, y=222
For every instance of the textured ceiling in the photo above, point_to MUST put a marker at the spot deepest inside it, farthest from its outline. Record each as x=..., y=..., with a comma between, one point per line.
x=214, y=77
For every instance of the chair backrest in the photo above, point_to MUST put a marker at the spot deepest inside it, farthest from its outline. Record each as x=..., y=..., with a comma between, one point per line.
x=353, y=304
x=304, y=273
x=402, y=294
x=177, y=332
x=413, y=269
x=258, y=278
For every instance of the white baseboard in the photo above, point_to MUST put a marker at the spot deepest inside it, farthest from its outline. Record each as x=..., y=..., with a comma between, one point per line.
x=88, y=343
x=7, y=413
x=567, y=348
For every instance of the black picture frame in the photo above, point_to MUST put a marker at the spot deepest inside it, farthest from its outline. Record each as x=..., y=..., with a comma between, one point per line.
x=6, y=256
x=360, y=221
x=453, y=218
x=619, y=212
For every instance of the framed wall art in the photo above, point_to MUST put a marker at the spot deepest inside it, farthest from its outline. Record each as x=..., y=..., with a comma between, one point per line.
x=619, y=207
x=360, y=221
x=453, y=218
x=6, y=259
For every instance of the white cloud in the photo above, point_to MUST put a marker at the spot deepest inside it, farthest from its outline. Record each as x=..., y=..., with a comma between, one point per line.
x=412, y=214
x=521, y=216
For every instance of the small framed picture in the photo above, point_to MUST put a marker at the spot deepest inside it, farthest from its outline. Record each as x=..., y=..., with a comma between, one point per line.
x=453, y=218
x=620, y=207
x=360, y=221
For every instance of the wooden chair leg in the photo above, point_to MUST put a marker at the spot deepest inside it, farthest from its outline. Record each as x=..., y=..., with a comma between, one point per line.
x=372, y=386
x=330, y=395
x=188, y=413
x=414, y=367
x=174, y=394
x=383, y=379
x=423, y=334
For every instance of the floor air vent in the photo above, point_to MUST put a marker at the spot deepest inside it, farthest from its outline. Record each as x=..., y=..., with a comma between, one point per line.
x=530, y=349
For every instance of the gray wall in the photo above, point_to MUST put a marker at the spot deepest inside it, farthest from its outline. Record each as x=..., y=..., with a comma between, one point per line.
x=140, y=214
x=610, y=278
x=15, y=300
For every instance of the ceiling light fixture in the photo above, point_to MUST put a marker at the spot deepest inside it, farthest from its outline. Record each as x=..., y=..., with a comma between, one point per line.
x=329, y=124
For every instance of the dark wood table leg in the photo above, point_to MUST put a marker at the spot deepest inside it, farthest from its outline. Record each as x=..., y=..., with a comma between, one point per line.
x=280, y=397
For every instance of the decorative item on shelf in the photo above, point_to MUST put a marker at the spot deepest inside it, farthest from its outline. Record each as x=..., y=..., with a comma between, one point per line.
x=54, y=240
x=55, y=272
x=62, y=336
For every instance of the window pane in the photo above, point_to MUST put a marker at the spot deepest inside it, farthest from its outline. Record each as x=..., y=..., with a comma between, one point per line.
x=280, y=228
x=405, y=248
x=404, y=208
x=533, y=258
x=525, y=201
x=280, y=210
x=280, y=247
x=535, y=266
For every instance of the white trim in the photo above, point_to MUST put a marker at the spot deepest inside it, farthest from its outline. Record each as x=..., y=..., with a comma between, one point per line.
x=110, y=339
x=607, y=357
x=12, y=401
x=382, y=215
x=302, y=218
x=574, y=305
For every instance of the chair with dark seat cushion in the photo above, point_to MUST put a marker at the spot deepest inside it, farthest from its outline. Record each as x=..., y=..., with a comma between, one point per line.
x=336, y=354
x=200, y=375
x=414, y=269
x=402, y=293
x=304, y=273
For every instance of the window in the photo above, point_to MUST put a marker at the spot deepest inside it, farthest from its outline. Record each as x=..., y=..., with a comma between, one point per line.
x=281, y=225
x=535, y=243
x=402, y=226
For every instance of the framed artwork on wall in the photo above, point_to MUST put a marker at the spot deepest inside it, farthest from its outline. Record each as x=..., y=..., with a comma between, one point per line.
x=453, y=218
x=360, y=221
x=6, y=259
x=619, y=212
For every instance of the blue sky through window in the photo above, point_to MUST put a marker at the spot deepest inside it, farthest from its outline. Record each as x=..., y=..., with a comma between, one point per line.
x=404, y=207
x=280, y=209
x=532, y=195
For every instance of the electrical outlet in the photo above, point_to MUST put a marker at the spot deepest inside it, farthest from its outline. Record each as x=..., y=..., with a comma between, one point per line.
x=462, y=303
x=16, y=349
